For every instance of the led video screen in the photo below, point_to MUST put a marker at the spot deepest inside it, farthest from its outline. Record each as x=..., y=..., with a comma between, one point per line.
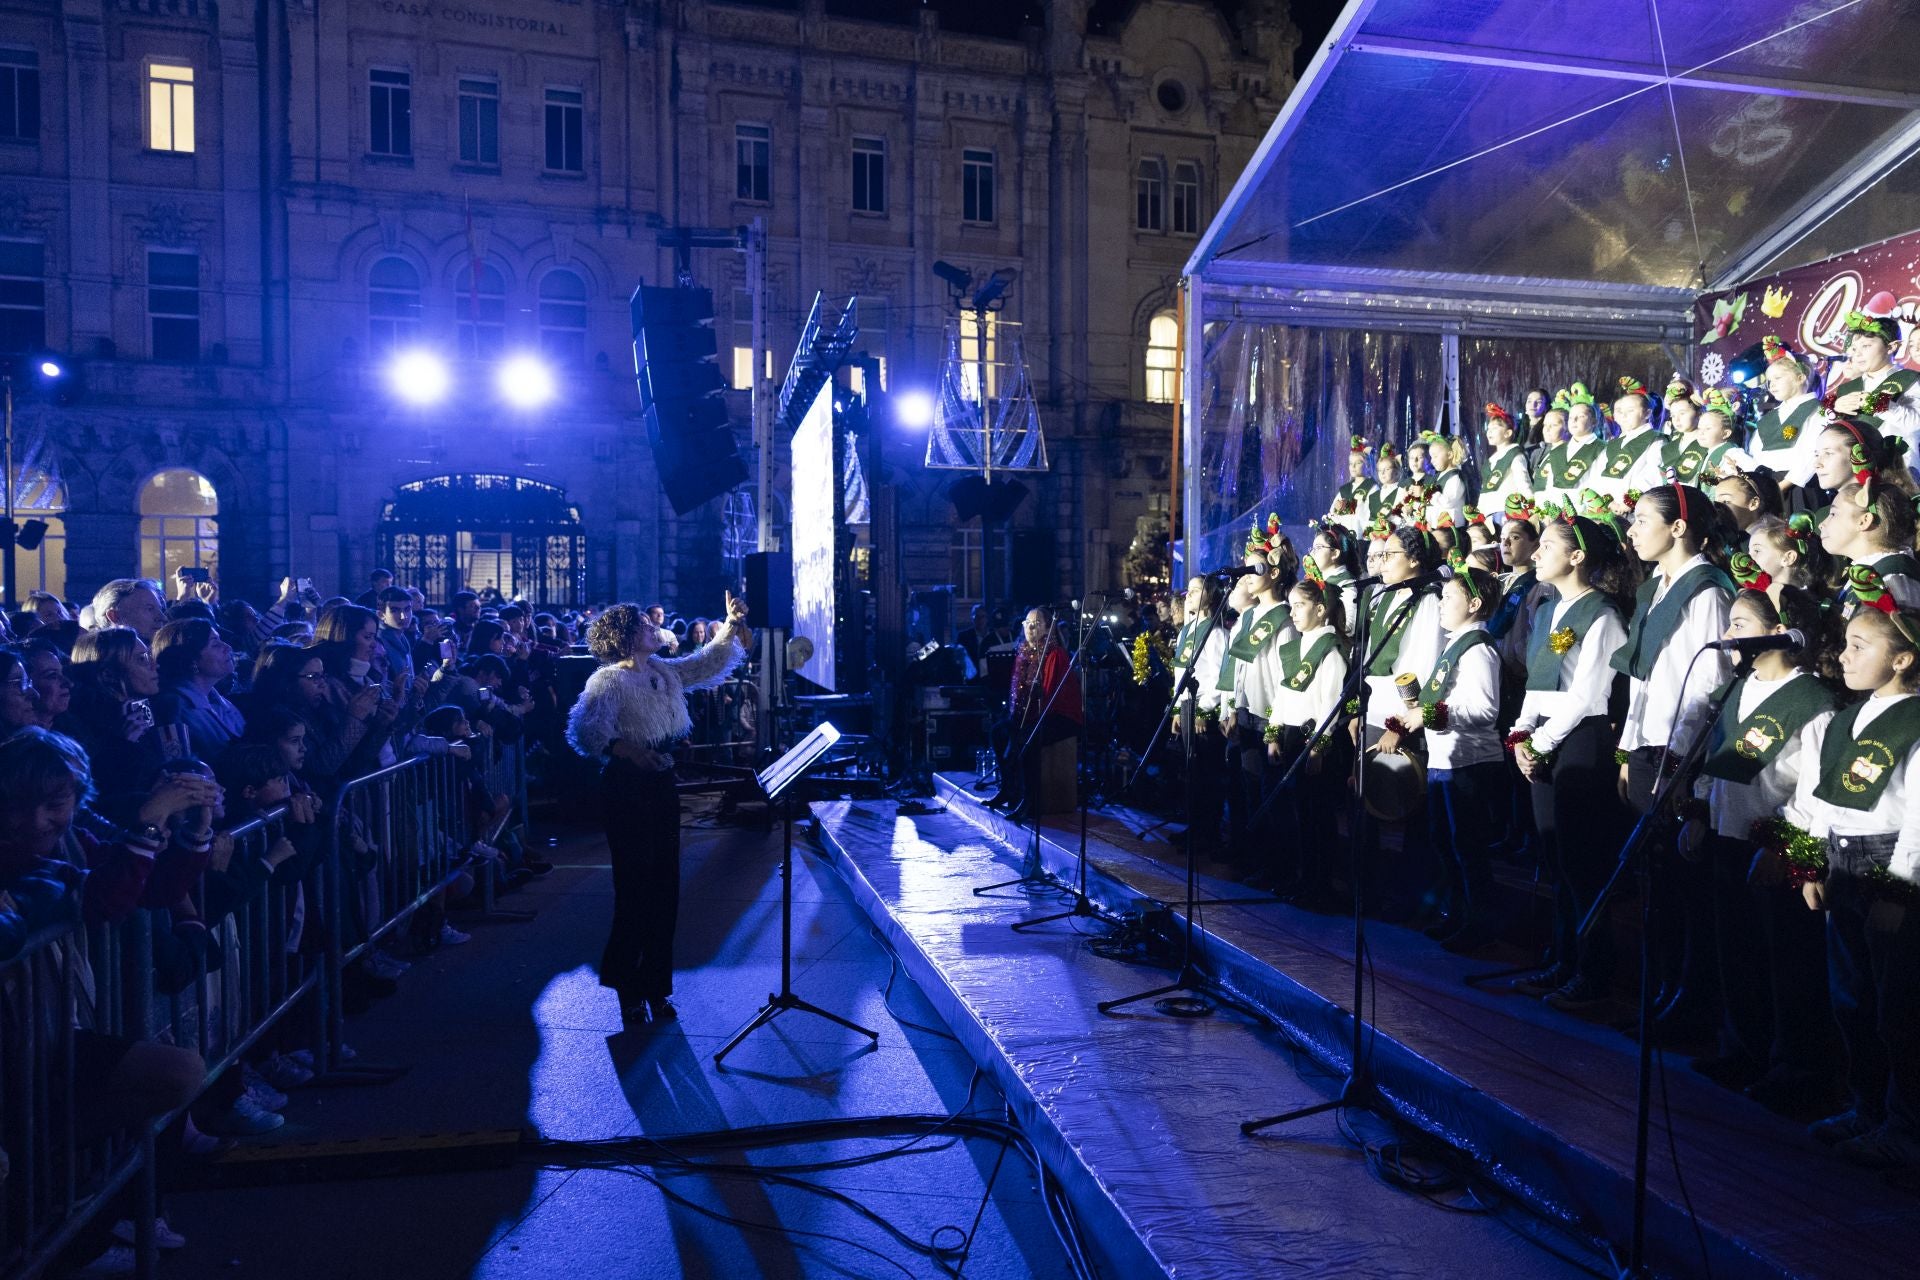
x=816, y=514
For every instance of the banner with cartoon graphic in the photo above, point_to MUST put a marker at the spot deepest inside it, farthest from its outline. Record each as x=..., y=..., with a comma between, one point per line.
x=1807, y=307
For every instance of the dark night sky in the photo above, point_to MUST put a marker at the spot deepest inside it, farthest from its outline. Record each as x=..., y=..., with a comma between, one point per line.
x=1315, y=19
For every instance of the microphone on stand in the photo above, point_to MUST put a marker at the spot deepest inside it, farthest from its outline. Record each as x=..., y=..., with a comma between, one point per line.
x=1433, y=576
x=1792, y=638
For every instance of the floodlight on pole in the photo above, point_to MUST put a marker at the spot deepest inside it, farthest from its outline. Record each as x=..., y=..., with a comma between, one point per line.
x=419, y=377
x=526, y=382
x=51, y=369
x=913, y=409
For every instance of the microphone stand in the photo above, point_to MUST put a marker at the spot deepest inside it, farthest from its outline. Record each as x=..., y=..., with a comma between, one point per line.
x=1035, y=875
x=1359, y=1089
x=1083, y=907
x=1636, y=856
x=1190, y=978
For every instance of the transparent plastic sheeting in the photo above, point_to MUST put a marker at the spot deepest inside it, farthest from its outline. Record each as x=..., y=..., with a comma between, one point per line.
x=1522, y=138
x=1280, y=403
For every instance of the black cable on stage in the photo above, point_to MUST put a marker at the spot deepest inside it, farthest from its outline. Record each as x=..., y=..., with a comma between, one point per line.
x=1673, y=1154
x=886, y=994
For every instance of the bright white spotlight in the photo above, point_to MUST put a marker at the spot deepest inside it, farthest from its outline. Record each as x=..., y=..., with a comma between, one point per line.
x=913, y=409
x=526, y=382
x=418, y=377
x=50, y=369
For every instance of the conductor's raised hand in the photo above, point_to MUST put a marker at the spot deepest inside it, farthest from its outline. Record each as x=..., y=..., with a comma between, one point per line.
x=737, y=619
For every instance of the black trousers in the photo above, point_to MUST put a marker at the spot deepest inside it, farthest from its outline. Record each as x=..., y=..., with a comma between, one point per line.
x=640, y=811
x=1873, y=966
x=1308, y=840
x=1681, y=944
x=1577, y=814
x=1770, y=952
x=1463, y=821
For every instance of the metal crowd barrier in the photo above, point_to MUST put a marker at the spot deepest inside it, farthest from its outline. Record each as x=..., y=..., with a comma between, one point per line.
x=389, y=842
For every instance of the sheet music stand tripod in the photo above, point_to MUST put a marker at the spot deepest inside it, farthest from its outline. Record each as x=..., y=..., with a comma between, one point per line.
x=777, y=784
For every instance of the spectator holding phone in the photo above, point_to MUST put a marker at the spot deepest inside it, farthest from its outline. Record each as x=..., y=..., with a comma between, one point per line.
x=114, y=681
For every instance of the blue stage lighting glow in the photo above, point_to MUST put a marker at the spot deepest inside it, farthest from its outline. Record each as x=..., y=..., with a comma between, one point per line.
x=526, y=382
x=914, y=409
x=50, y=369
x=418, y=377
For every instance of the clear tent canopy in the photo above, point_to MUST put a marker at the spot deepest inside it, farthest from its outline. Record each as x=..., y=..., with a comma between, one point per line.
x=1463, y=199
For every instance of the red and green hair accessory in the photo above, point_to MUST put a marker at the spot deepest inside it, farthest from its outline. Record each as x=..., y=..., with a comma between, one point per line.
x=1358, y=444
x=1457, y=560
x=1578, y=394
x=1632, y=387
x=1866, y=587
x=1716, y=400
x=1573, y=522
x=1678, y=388
x=1595, y=505
x=1800, y=526
x=1389, y=453
x=1885, y=328
x=1265, y=542
x=1748, y=573
x=1380, y=530
x=1498, y=413
x=1775, y=351
x=1443, y=521
x=1476, y=516
x=1311, y=569
x=1869, y=449
x=1519, y=507
x=1560, y=401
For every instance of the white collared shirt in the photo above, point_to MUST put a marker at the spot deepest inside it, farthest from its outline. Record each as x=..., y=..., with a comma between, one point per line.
x=1321, y=697
x=1254, y=682
x=1548, y=716
x=1472, y=735
x=1795, y=462
x=1660, y=712
x=1515, y=477
x=1892, y=813
x=1206, y=669
x=1419, y=650
x=1736, y=806
x=1649, y=470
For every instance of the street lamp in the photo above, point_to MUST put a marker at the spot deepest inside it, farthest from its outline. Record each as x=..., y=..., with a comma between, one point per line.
x=49, y=370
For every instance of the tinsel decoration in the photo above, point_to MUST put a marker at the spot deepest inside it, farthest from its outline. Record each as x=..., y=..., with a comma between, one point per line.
x=1805, y=855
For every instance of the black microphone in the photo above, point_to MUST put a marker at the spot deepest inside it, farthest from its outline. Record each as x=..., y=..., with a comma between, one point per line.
x=1437, y=574
x=1792, y=638
x=1238, y=571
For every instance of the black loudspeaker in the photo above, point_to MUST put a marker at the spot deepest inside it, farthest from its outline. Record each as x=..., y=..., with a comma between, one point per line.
x=674, y=361
x=770, y=589
x=1031, y=560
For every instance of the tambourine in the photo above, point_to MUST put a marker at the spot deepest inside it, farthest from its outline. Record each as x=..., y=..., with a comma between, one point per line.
x=1396, y=784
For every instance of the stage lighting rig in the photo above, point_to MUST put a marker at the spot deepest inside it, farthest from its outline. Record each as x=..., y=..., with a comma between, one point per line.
x=525, y=382
x=418, y=377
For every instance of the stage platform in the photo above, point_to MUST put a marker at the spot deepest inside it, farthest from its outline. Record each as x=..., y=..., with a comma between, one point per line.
x=1139, y=1111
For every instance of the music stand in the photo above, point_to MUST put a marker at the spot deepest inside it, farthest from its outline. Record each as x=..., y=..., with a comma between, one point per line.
x=776, y=782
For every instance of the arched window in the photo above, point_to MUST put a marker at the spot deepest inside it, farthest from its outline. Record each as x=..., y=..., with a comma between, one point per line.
x=393, y=305
x=179, y=524
x=481, y=305
x=563, y=317
x=42, y=567
x=1163, y=359
x=1150, y=191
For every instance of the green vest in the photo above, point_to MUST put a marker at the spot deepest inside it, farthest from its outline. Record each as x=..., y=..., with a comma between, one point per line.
x=1363, y=493
x=1543, y=664
x=1248, y=643
x=1551, y=468
x=1579, y=458
x=1624, y=452
x=1447, y=670
x=1692, y=458
x=1224, y=682
x=1740, y=749
x=1774, y=433
x=1296, y=671
x=1899, y=380
x=1653, y=624
x=1855, y=771
x=1501, y=463
x=1390, y=608
x=1193, y=638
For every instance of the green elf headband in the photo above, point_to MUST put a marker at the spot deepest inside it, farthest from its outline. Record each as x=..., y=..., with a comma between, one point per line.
x=1678, y=389
x=1519, y=507
x=1885, y=328
x=1632, y=387
x=1717, y=401
x=1560, y=401
x=1311, y=568
x=1359, y=445
x=1775, y=351
x=1578, y=394
x=1748, y=573
x=1866, y=587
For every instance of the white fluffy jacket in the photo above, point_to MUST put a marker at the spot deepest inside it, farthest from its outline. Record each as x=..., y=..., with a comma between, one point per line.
x=647, y=705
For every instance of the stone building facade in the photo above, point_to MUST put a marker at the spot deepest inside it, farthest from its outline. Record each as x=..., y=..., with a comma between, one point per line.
x=228, y=218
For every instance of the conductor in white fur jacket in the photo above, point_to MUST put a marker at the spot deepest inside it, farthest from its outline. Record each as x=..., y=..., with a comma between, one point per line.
x=631, y=713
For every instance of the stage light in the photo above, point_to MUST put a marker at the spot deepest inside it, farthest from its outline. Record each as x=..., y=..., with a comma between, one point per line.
x=418, y=377
x=913, y=409
x=51, y=369
x=526, y=382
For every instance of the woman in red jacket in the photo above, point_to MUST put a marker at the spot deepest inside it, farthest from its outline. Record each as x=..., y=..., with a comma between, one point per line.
x=1043, y=707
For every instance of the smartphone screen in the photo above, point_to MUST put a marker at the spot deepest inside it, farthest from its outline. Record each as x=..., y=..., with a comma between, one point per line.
x=446, y=650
